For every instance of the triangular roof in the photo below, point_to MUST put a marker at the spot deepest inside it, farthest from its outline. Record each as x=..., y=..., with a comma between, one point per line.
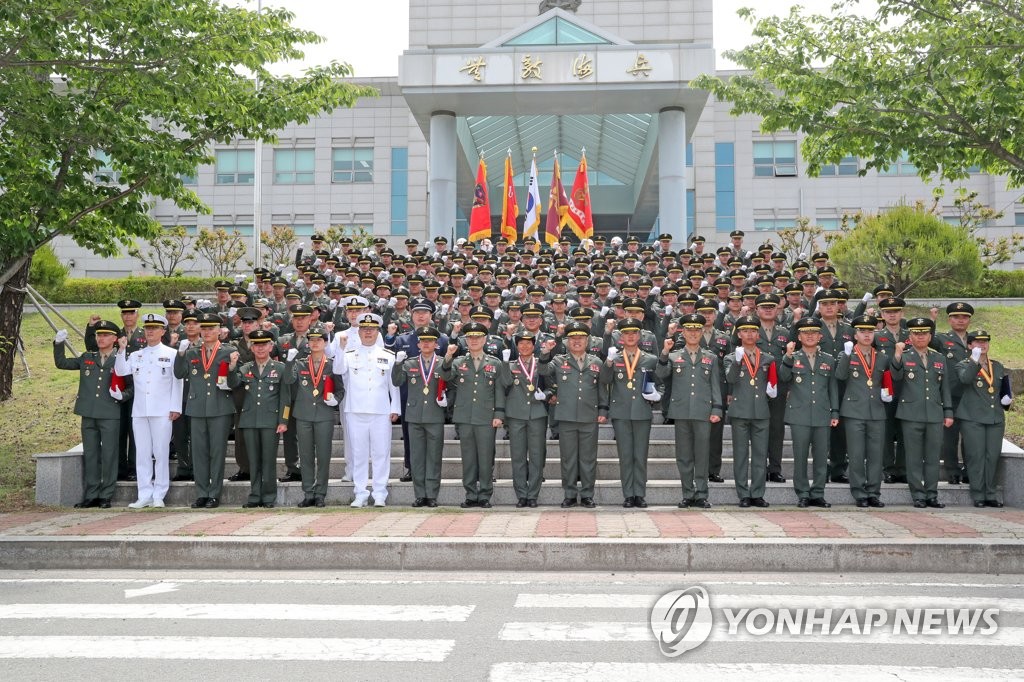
x=577, y=31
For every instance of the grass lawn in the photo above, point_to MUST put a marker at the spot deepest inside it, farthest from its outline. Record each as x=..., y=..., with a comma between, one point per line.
x=39, y=417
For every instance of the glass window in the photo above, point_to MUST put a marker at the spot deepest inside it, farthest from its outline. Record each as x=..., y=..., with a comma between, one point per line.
x=775, y=159
x=293, y=166
x=774, y=224
x=828, y=223
x=847, y=166
x=1018, y=219
x=189, y=179
x=558, y=31
x=689, y=155
x=352, y=165
x=106, y=172
x=235, y=166
x=399, y=191
x=901, y=167
x=725, y=187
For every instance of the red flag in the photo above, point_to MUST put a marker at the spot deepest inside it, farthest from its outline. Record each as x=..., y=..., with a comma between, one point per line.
x=773, y=375
x=558, y=205
x=328, y=388
x=480, y=216
x=222, y=373
x=116, y=382
x=887, y=386
x=442, y=386
x=579, y=216
x=509, y=207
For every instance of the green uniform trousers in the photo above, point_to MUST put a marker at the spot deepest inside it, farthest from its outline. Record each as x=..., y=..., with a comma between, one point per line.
x=923, y=443
x=241, y=446
x=426, y=448
x=810, y=441
x=632, y=441
x=314, y=442
x=692, y=455
x=477, y=447
x=577, y=444
x=983, y=444
x=209, y=445
x=749, y=455
x=181, y=435
x=291, y=447
x=864, y=444
x=99, y=446
x=894, y=458
x=528, y=445
x=261, y=444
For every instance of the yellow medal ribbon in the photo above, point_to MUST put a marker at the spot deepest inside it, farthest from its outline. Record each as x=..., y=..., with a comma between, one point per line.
x=988, y=376
x=630, y=368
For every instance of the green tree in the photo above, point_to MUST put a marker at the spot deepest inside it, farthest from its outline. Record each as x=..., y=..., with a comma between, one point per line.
x=143, y=88
x=908, y=247
x=938, y=80
x=360, y=236
x=277, y=246
x=166, y=253
x=221, y=249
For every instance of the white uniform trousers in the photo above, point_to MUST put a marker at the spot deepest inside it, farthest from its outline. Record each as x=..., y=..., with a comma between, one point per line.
x=369, y=436
x=152, y=448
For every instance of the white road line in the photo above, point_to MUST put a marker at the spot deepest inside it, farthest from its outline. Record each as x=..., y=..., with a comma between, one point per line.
x=603, y=631
x=675, y=671
x=255, y=612
x=229, y=648
x=597, y=600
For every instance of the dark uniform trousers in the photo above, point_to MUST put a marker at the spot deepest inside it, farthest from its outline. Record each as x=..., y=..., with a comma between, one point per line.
x=749, y=417
x=811, y=404
x=632, y=442
x=924, y=401
x=576, y=386
x=98, y=444
x=314, y=423
x=314, y=443
x=180, y=435
x=480, y=399
x=894, y=456
x=291, y=446
x=776, y=345
x=954, y=449
x=863, y=416
x=422, y=418
x=631, y=417
x=982, y=423
x=526, y=419
x=692, y=455
x=426, y=449
x=208, y=465
x=262, y=443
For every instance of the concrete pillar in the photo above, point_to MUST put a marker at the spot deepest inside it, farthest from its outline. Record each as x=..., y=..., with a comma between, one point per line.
x=443, y=145
x=672, y=174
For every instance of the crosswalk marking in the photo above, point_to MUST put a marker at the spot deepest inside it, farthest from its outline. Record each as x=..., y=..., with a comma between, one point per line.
x=675, y=671
x=768, y=601
x=229, y=648
x=318, y=612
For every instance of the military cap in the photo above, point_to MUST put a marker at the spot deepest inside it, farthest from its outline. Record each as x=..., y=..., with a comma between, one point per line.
x=959, y=308
x=864, y=322
x=422, y=304
x=300, y=310
x=576, y=329
x=514, y=305
x=292, y=293
x=206, y=320
x=464, y=300
x=173, y=304
x=734, y=295
x=525, y=335
x=692, y=321
x=481, y=311
x=279, y=282
x=356, y=302
x=533, y=309
x=812, y=324
x=748, y=322
x=807, y=278
x=238, y=291
x=629, y=324
x=106, y=327
x=475, y=329
x=819, y=257
x=767, y=300
x=316, y=332
x=370, y=320
x=736, y=233
x=190, y=316
x=723, y=249
x=892, y=303
x=188, y=300
x=261, y=336
x=222, y=285
x=248, y=314
x=884, y=291
x=581, y=313
x=826, y=295
x=633, y=303
x=440, y=240
x=978, y=335
x=707, y=304
x=129, y=305
x=920, y=324
x=400, y=292
x=586, y=290
x=826, y=270
x=345, y=241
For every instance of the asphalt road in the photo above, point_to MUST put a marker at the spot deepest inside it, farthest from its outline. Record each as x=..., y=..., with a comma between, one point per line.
x=244, y=625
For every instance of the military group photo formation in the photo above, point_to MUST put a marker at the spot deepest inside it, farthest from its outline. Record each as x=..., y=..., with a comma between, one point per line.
x=534, y=346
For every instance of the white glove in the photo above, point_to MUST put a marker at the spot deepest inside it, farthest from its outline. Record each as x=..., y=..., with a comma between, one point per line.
x=401, y=356
x=739, y=354
x=223, y=385
x=442, y=401
x=655, y=290
x=444, y=309
x=391, y=302
x=317, y=263
x=506, y=355
x=336, y=250
x=381, y=303
x=232, y=312
x=302, y=245
x=1005, y=401
x=613, y=293
x=544, y=305
x=538, y=394
x=886, y=396
x=605, y=310
x=572, y=303
x=653, y=396
x=332, y=304
x=251, y=288
x=848, y=347
x=613, y=353
x=722, y=306
x=116, y=394
x=773, y=391
x=239, y=278
x=499, y=314
x=328, y=271
x=61, y=336
x=366, y=292
x=976, y=355
x=300, y=284
x=183, y=346
x=333, y=402
x=668, y=311
x=383, y=276
x=292, y=352
x=519, y=290
x=867, y=296
x=421, y=273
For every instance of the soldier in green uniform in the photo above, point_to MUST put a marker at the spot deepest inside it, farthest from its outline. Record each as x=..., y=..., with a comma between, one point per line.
x=720, y=344
x=209, y=406
x=696, y=403
x=248, y=321
x=628, y=391
x=526, y=417
x=980, y=413
x=419, y=377
x=181, y=428
x=773, y=339
x=925, y=407
x=835, y=334
x=479, y=410
x=574, y=380
x=953, y=344
x=315, y=396
x=99, y=406
x=862, y=410
x=747, y=371
x=296, y=341
x=812, y=408
x=266, y=391
x=892, y=332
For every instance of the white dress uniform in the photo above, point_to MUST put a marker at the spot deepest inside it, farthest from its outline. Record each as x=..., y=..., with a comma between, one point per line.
x=157, y=394
x=370, y=400
x=332, y=351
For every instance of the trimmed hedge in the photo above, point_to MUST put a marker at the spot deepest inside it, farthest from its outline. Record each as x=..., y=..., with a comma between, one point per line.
x=991, y=284
x=148, y=290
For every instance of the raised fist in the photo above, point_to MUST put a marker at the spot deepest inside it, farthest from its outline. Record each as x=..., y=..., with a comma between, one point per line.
x=233, y=358
x=251, y=288
x=672, y=328
x=655, y=291
x=392, y=329
x=506, y=354
x=61, y=336
x=314, y=289
x=609, y=326
x=976, y=355
x=613, y=293
x=848, y=347
x=122, y=342
x=93, y=319
x=900, y=347
x=401, y=356
x=739, y=354
x=549, y=346
x=183, y=346
x=453, y=348
x=232, y=312
x=790, y=347
x=667, y=346
x=342, y=340
x=867, y=296
x=291, y=355
x=613, y=354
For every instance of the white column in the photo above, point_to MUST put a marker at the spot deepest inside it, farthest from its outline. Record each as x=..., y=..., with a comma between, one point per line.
x=672, y=174
x=443, y=144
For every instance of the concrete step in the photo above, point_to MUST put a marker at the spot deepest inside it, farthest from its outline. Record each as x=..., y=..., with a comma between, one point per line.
x=659, y=431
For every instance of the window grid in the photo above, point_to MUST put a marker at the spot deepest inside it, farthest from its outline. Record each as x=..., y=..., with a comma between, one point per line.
x=775, y=159
x=352, y=165
x=293, y=166
x=847, y=167
x=235, y=166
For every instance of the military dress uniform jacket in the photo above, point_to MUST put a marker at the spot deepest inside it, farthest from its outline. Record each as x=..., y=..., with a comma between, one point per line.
x=861, y=401
x=136, y=339
x=420, y=407
x=696, y=386
x=576, y=386
x=924, y=394
x=306, y=406
x=204, y=398
x=813, y=393
x=520, y=401
x=267, y=395
x=480, y=394
x=157, y=391
x=976, y=403
x=291, y=340
x=365, y=371
x=886, y=341
x=833, y=345
x=956, y=351
x=624, y=402
x=748, y=402
x=776, y=342
x=93, y=399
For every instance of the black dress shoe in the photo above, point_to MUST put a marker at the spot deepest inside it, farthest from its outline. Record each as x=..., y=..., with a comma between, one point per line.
x=532, y=504
x=200, y=503
x=889, y=478
x=919, y=504
x=862, y=503
x=744, y=502
x=306, y=502
x=212, y=503
x=406, y=477
x=841, y=478
x=268, y=505
x=683, y=504
x=701, y=504
x=484, y=504
x=431, y=502
x=587, y=502
x=293, y=477
x=776, y=477
x=628, y=503
x=182, y=477
x=251, y=505
x=319, y=501
x=640, y=502
x=819, y=502
x=715, y=478
x=468, y=504
x=419, y=502
x=980, y=503
x=802, y=503
x=568, y=502
x=954, y=479
x=554, y=436
x=875, y=503
x=104, y=503
x=996, y=504
x=758, y=502
x=239, y=476
x=901, y=479
x=131, y=477
x=521, y=503
x=87, y=504
x=963, y=476
x=935, y=504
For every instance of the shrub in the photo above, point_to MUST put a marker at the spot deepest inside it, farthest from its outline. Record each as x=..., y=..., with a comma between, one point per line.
x=148, y=290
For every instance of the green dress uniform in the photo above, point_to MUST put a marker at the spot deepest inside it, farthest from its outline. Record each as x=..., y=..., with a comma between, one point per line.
x=721, y=345
x=774, y=341
x=238, y=397
x=631, y=417
x=982, y=424
x=479, y=399
x=285, y=343
x=749, y=416
x=101, y=418
x=526, y=418
x=575, y=384
x=425, y=419
x=832, y=342
x=924, y=402
x=210, y=411
x=863, y=414
x=894, y=457
x=696, y=397
x=267, y=401
x=314, y=422
x=812, y=402
x=126, y=436
x=955, y=349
